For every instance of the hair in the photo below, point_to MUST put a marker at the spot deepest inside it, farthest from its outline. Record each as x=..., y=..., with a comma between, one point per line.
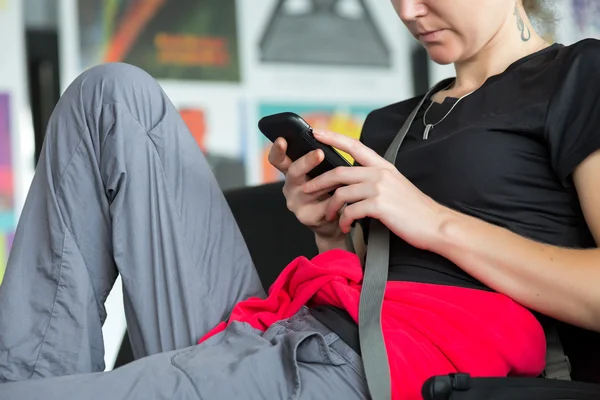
x=542, y=16
x=533, y=7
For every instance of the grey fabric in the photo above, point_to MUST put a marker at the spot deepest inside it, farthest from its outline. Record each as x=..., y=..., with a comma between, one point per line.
x=294, y=359
x=122, y=187
x=558, y=365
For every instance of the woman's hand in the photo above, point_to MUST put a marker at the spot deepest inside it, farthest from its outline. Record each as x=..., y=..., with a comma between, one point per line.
x=309, y=208
x=377, y=190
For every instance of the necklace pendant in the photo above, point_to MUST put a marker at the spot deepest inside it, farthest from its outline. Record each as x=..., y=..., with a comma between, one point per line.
x=428, y=128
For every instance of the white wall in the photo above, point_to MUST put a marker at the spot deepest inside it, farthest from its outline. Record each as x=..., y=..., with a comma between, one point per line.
x=41, y=14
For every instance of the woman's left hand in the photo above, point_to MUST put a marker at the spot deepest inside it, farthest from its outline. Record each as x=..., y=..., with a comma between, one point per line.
x=378, y=190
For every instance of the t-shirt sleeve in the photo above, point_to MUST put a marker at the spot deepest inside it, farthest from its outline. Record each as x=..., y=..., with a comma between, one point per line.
x=364, y=135
x=573, y=122
x=366, y=138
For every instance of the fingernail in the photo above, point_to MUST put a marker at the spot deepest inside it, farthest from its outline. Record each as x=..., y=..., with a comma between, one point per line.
x=318, y=132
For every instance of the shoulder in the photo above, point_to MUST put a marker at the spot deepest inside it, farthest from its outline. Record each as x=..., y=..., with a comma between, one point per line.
x=577, y=77
x=572, y=119
x=394, y=112
x=382, y=124
x=580, y=62
x=586, y=49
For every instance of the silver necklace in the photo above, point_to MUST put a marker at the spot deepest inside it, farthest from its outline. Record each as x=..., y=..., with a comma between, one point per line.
x=429, y=127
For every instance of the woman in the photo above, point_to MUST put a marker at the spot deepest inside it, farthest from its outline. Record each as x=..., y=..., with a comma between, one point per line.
x=498, y=213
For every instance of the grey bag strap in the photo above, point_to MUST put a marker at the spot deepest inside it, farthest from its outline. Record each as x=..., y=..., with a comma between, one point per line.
x=558, y=365
x=372, y=345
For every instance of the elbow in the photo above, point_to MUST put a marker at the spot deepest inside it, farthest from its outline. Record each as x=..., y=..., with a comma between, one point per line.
x=581, y=304
x=595, y=322
x=591, y=313
x=596, y=317
x=580, y=311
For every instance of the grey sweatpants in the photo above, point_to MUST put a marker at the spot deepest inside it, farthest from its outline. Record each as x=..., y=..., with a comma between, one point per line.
x=122, y=188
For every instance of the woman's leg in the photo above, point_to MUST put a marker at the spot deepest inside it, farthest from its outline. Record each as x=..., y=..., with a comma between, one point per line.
x=297, y=359
x=121, y=187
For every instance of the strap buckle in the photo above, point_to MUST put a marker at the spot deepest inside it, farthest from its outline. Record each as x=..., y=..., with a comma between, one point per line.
x=558, y=369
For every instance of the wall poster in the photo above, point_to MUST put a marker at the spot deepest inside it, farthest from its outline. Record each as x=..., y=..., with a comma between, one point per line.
x=339, y=32
x=170, y=39
x=230, y=171
x=347, y=120
x=7, y=212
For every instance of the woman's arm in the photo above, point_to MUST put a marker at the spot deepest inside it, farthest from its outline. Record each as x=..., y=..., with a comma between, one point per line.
x=559, y=282
x=562, y=283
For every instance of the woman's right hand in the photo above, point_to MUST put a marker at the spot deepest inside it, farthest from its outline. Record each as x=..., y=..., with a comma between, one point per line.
x=310, y=209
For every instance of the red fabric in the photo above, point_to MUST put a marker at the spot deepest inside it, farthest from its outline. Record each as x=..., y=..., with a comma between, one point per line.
x=428, y=329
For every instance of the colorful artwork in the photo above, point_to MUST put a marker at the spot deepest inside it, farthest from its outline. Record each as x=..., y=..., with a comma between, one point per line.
x=230, y=172
x=346, y=120
x=195, y=120
x=7, y=219
x=170, y=39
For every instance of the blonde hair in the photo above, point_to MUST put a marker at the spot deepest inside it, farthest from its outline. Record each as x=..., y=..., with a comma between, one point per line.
x=533, y=7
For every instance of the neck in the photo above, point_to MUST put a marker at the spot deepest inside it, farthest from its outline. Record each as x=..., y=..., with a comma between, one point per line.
x=515, y=40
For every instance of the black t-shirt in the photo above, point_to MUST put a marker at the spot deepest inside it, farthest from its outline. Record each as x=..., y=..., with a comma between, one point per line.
x=505, y=154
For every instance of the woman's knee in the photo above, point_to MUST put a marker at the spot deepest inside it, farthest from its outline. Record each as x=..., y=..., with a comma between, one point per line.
x=122, y=84
x=117, y=72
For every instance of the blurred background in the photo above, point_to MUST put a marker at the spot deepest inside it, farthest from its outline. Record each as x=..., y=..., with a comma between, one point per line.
x=224, y=64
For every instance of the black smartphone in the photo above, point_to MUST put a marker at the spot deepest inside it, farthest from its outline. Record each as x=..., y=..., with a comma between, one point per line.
x=300, y=140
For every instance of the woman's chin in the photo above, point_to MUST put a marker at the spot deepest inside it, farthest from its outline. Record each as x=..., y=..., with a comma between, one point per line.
x=441, y=55
x=442, y=59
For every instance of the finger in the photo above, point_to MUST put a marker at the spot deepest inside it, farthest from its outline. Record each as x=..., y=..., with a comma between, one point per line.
x=317, y=197
x=278, y=157
x=324, y=194
x=346, y=195
x=361, y=153
x=296, y=199
x=299, y=168
x=340, y=176
x=353, y=212
x=312, y=215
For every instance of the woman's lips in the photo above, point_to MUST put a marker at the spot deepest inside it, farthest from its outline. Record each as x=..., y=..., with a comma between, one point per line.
x=431, y=36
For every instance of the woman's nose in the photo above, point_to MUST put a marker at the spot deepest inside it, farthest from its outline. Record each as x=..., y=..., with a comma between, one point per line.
x=409, y=10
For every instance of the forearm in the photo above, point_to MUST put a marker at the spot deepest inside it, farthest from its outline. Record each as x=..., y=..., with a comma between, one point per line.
x=559, y=282
x=353, y=242
x=326, y=244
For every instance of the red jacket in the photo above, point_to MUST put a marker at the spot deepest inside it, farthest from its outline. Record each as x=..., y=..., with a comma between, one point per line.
x=428, y=329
